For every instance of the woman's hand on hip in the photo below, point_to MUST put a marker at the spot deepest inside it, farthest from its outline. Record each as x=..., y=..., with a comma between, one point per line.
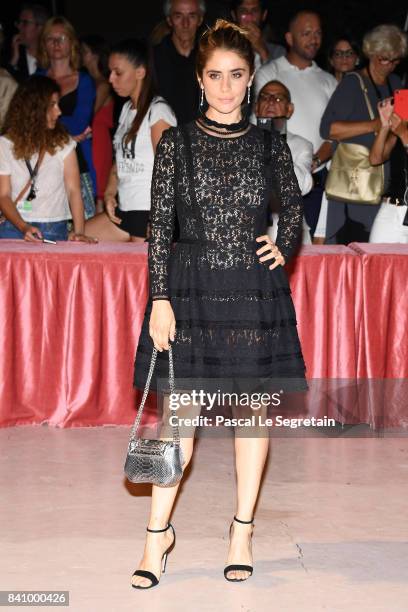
x=110, y=206
x=272, y=252
x=162, y=324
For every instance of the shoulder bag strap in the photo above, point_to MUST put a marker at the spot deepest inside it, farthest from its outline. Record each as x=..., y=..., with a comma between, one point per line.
x=364, y=90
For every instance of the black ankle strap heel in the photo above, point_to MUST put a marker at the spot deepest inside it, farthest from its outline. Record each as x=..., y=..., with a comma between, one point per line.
x=233, y=567
x=243, y=522
x=159, y=530
x=149, y=575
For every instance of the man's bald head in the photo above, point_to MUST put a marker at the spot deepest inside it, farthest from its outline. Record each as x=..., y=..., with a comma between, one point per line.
x=304, y=36
x=299, y=16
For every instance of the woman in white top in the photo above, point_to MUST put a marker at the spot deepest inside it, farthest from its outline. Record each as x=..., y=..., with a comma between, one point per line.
x=141, y=124
x=36, y=145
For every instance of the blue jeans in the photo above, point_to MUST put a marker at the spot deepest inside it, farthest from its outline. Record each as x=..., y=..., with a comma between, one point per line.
x=52, y=230
x=87, y=195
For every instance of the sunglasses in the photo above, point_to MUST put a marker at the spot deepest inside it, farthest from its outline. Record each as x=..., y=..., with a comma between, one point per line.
x=348, y=53
x=56, y=40
x=265, y=97
x=388, y=60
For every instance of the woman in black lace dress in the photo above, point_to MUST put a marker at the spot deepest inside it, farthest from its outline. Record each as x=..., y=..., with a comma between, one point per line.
x=220, y=295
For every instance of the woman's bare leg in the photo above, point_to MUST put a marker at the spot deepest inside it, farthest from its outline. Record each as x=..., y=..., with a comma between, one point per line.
x=250, y=458
x=137, y=239
x=101, y=227
x=163, y=499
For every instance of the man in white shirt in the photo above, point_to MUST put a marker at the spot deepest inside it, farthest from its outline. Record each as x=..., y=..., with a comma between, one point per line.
x=24, y=46
x=310, y=88
x=274, y=103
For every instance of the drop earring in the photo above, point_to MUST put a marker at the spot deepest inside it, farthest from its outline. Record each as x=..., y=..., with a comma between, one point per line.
x=249, y=95
x=201, y=105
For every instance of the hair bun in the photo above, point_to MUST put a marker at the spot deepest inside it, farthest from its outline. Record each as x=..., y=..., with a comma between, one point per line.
x=223, y=24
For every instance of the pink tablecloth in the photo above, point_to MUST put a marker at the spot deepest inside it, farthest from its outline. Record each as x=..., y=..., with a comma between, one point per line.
x=384, y=349
x=325, y=283
x=71, y=317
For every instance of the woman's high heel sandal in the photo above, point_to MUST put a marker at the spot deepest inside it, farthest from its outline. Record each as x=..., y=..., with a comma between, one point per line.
x=150, y=575
x=235, y=567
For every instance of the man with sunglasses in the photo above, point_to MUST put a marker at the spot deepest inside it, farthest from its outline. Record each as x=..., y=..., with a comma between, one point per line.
x=24, y=46
x=273, y=109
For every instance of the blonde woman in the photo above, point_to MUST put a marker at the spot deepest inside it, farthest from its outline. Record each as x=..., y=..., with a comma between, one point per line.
x=347, y=119
x=60, y=58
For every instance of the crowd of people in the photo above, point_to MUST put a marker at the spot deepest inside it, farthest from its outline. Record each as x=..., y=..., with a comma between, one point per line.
x=115, y=102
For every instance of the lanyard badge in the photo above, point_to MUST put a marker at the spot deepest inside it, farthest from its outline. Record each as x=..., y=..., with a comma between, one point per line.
x=32, y=194
x=27, y=206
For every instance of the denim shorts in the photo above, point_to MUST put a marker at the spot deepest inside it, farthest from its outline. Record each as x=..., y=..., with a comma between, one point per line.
x=52, y=230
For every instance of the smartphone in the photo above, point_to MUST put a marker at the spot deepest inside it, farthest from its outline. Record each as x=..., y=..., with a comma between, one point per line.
x=401, y=103
x=273, y=124
x=266, y=123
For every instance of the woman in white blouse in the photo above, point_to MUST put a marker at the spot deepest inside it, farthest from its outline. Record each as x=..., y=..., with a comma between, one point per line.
x=39, y=176
x=141, y=124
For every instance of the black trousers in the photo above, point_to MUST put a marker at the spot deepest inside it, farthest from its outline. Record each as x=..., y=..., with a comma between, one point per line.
x=313, y=200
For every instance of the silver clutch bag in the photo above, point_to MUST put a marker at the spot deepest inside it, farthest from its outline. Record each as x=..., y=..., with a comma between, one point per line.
x=155, y=461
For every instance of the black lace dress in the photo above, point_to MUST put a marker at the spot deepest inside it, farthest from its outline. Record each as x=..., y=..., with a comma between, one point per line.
x=235, y=319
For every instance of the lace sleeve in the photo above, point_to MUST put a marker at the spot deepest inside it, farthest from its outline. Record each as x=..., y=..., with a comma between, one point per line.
x=162, y=215
x=288, y=192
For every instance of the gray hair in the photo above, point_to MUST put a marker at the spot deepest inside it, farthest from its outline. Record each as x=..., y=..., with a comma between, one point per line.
x=40, y=13
x=385, y=39
x=167, y=7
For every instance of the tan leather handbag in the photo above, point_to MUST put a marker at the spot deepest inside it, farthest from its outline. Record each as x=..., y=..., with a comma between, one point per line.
x=351, y=177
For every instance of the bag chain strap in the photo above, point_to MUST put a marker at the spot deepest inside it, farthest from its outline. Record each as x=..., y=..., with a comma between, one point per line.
x=176, y=433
